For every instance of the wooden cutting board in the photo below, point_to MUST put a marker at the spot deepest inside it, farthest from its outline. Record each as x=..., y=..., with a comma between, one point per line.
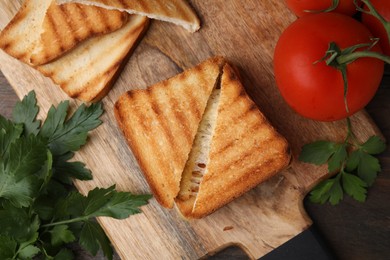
x=245, y=32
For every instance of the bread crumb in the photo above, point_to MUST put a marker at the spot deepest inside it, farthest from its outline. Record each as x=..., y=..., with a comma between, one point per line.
x=227, y=228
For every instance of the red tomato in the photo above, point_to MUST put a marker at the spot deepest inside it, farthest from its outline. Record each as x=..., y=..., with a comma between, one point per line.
x=299, y=7
x=316, y=90
x=375, y=26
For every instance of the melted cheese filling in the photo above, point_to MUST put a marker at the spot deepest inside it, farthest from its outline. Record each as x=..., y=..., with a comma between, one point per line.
x=198, y=158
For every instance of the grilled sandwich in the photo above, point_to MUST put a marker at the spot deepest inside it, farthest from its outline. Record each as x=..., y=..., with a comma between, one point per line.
x=200, y=148
x=77, y=40
x=42, y=30
x=89, y=70
x=22, y=34
x=175, y=11
x=160, y=124
x=65, y=26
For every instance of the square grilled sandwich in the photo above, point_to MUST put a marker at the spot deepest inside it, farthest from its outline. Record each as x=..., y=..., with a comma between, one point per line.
x=199, y=139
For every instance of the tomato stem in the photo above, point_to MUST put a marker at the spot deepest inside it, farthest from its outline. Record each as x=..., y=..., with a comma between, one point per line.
x=350, y=57
x=350, y=138
x=372, y=11
x=334, y=5
x=339, y=59
x=349, y=130
x=343, y=69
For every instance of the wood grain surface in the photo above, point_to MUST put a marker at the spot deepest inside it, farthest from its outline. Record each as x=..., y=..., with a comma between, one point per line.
x=264, y=218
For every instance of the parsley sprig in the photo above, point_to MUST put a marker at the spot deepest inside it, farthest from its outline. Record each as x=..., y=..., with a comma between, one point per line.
x=354, y=165
x=40, y=210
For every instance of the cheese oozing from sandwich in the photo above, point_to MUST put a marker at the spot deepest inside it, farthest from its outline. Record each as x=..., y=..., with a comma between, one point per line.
x=198, y=158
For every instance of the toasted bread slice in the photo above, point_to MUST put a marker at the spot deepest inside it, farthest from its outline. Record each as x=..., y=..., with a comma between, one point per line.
x=88, y=71
x=22, y=34
x=175, y=11
x=244, y=151
x=65, y=26
x=160, y=124
x=42, y=30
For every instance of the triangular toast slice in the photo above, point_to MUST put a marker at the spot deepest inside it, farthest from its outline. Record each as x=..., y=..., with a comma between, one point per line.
x=243, y=151
x=22, y=34
x=42, y=30
x=175, y=11
x=65, y=26
x=89, y=70
x=160, y=124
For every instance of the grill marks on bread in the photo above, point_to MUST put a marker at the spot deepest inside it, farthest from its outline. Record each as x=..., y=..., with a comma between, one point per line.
x=245, y=150
x=66, y=25
x=89, y=70
x=21, y=35
x=160, y=124
x=73, y=44
x=175, y=11
x=197, y=162
x=42, y=31
x=199, y=141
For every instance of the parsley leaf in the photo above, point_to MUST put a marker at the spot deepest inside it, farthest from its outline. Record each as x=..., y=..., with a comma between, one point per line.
x=354, y=186
x=9, y=132
x=99, y=202
x=103, y=202
x=69, y=135
x=328, y=190
x=368, y=168
x=367, y=165
x=25, y=112
x=19, y=180
x=317, y=152
x=17, y=222
x=353, y=160
x=110, y=203
x=55, y=118
x=61, y=234
x=65, y=170
x=354, y=165
x=92, y=237
x=28, y=252
x=40, y=209
x=64, y=254
x=374, y=145
x=338, y=157
x=7, y=247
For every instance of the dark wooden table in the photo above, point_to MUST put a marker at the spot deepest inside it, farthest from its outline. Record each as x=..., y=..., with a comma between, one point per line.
x=353, y=230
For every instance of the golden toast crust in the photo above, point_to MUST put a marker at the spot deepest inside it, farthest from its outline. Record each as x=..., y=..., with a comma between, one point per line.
x=67, y=25
x=22, y=34
x=83, y=64
x=245, y=150
x=160, y=123
x=89, y=70
x=175, y=11
x=42, y=31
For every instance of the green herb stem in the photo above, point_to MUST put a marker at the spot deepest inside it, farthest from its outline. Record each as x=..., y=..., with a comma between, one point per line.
x=350, y=138
x=68, y=221
x=350, y=57
x=349, y=130
x=32, y=155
